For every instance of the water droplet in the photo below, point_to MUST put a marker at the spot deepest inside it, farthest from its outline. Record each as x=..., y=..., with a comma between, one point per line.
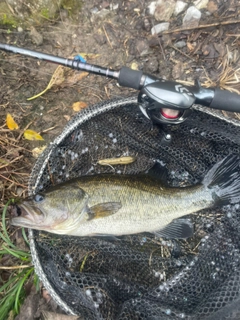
x=88, y=293
x=168, y=312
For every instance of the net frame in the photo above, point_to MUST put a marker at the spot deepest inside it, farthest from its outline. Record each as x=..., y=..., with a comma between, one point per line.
x=41, y=164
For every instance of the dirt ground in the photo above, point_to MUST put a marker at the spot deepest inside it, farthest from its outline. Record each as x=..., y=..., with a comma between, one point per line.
x=113, y=38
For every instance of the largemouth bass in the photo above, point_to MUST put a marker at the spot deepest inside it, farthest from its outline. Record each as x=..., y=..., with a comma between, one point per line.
x=123, y=204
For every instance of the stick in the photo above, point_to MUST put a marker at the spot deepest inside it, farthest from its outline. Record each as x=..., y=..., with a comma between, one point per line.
x=223, y=23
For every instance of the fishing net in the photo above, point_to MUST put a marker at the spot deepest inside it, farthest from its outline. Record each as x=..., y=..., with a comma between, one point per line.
x=140, y=276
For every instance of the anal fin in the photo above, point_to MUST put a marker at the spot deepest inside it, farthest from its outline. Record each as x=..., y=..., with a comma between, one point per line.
x=177, y=229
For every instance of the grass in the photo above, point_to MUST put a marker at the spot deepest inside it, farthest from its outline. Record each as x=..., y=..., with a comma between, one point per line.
x=16, y=269
x=12, y=291
x=228, y=77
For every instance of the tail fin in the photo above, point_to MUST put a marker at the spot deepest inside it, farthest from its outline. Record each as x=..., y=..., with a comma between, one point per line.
x=224, y=180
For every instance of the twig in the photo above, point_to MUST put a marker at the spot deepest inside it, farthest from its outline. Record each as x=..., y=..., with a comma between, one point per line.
x=107, y=37
x=14, y=182
x=16, y=267
x=160, y=45
x=49, y=129
x=233, y=35
x=184, y=54
x=202, y=26
x=7, y=164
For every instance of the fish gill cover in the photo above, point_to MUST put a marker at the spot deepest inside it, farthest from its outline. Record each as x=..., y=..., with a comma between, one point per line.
x=139, y=276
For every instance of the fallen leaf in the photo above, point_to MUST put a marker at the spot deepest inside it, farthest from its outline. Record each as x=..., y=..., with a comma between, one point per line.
x=37, y=151
x=74, y=76
x=63, y=77
x=134, y=66
x=77, y=106
x=191, y=46
x=212, y=7
x=32, y=135
x=57, y=78
x=67, y=117
x=12, y=125
x=89, y=55
x=115, y=161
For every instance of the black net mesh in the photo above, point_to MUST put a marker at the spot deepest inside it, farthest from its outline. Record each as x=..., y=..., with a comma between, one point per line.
x=138, y=276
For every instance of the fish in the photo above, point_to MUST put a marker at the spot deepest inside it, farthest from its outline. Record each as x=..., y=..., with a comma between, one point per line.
x=116, y=205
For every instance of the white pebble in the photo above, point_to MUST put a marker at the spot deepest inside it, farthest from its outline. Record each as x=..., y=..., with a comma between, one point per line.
x=192, y=17
x=158, y=28
x=180, y=6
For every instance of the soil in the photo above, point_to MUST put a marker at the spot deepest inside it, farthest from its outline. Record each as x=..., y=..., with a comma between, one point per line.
x=122, y=37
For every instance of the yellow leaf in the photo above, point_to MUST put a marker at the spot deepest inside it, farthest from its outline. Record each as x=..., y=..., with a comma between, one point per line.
x=62, y=76
x=32, y=135
x=89, y=55
x=37, y=151
x=57, y=78
x=134, y=66
x=12, y=125
x=77, y=106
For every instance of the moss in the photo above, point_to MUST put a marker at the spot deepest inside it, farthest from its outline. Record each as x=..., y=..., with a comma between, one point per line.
x=72, y=6
x=8, y=20
x=45, y=13
x=6, y=16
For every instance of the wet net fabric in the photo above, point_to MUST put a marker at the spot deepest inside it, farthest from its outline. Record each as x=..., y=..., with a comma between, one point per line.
x=139, y=276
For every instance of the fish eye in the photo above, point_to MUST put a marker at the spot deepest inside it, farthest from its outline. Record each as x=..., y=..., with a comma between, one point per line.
x=38, y=198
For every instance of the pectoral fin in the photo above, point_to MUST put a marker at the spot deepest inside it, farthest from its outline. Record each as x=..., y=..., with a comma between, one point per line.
x=105, y=209
x=177, y=229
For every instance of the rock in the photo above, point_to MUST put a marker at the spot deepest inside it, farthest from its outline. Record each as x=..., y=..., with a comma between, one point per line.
x=158, y=28
x=164, y=10
x=201, y=4
x=178, y=70
x=179, y=7
x=37, y=38
x=180, y=44
x=102, y=13
x=146, y=24
x=29, y=306
x=142, y=47
x=151, y=66
x=100, y=38
x=192, y=17
x=114, y=6
x=152, y=7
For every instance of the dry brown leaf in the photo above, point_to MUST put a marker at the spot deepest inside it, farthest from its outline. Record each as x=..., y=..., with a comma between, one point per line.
x=11, y=124
x=73, y=77
x=116, y=161
x=212, y=6
x=37, y=151
x=32, y=135
x=67, y=117
x=77, y=106
x=190, y=46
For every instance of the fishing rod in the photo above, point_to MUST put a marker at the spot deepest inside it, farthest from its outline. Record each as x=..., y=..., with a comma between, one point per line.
x=156, y=94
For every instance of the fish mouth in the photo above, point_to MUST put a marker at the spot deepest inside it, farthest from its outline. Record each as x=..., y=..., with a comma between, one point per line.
x=22, y=216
